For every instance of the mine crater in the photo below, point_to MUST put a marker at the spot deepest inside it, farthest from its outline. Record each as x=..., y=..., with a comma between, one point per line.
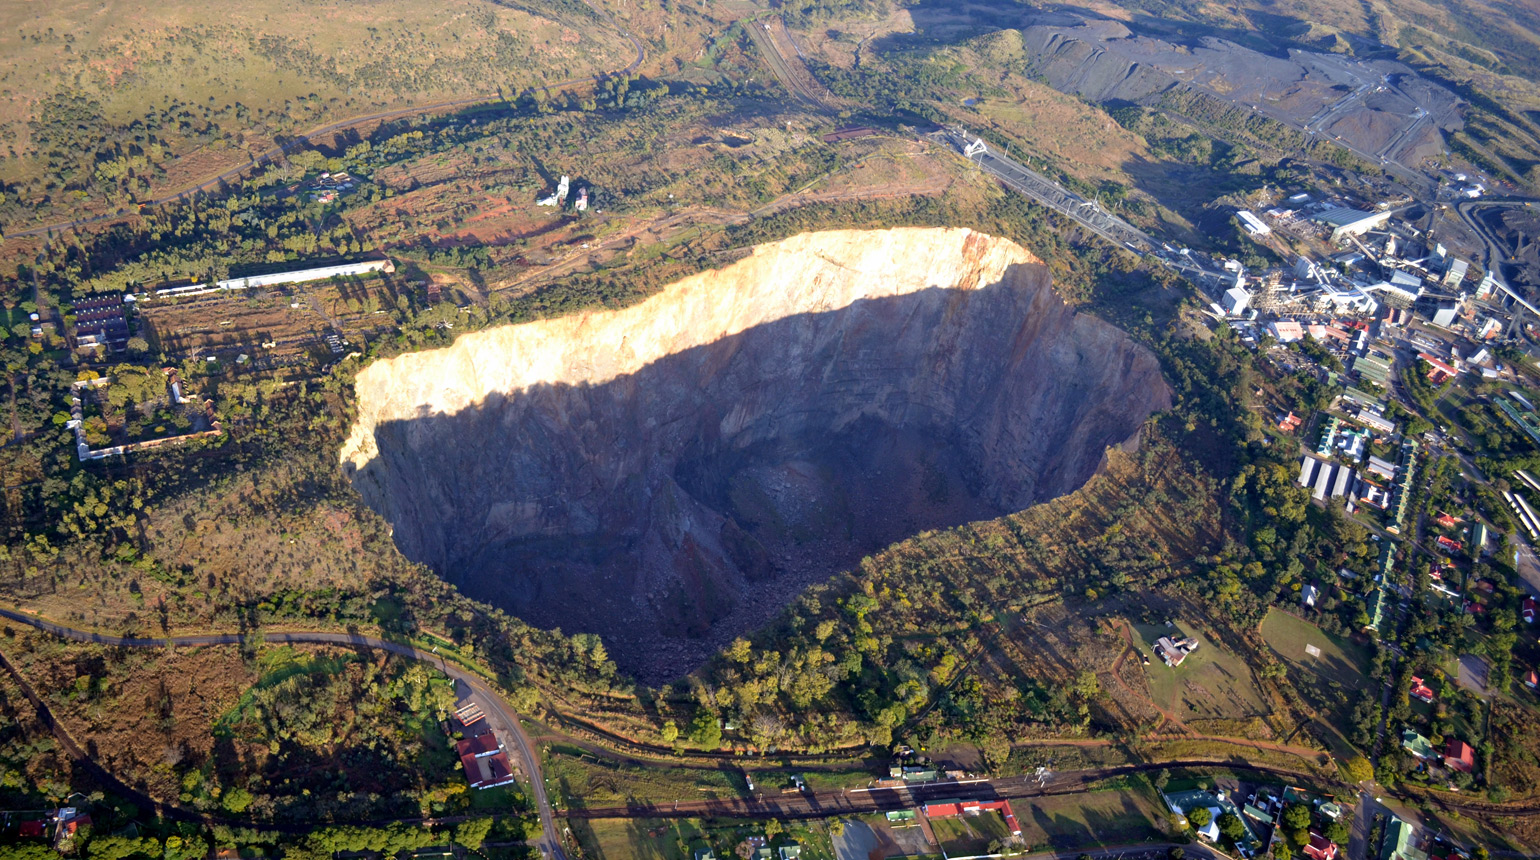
x=670, y=475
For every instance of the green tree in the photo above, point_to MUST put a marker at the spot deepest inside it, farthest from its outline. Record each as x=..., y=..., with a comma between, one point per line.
x=1296, y=816
x=1358, y=769
x=1199, y=818
x=1337, y=832
x=705, y=731
x=474, y=832
x=236, y=800
x=1230, y=826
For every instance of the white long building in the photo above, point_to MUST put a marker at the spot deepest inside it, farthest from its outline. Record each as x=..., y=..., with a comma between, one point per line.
x=275, y=278
x=1325, y=479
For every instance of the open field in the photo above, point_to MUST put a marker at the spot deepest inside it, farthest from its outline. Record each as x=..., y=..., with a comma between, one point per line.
x=679, y=839
x=1212, y=683
x=1107, y=817
x=579, y=778
x=283, y=67
x=1306, y=646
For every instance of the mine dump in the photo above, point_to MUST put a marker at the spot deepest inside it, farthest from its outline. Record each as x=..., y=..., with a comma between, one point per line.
x=670, y=475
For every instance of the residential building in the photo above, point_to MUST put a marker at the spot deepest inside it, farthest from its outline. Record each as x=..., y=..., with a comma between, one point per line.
x=1174, y=651
x=1400, y=842
x=1459, y=756
x=1421, y=691
x=1417, y=745
x=486, y=763
x=1320, y=848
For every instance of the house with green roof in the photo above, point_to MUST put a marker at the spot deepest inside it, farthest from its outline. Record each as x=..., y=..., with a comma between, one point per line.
x=1417, y=745
x=1399, y=843
x=1376, y=610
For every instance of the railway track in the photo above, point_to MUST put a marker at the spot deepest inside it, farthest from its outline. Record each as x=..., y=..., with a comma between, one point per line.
x=824, y=804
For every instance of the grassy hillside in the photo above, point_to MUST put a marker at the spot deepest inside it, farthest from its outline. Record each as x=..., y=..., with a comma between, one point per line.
x=170, y=93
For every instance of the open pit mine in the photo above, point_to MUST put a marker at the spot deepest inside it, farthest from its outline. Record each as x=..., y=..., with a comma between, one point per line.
x=672, y=474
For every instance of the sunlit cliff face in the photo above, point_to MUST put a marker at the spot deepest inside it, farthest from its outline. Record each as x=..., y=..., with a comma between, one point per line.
x=671, y=474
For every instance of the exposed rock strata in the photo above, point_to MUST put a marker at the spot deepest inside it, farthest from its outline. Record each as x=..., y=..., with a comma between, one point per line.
x=672, y=473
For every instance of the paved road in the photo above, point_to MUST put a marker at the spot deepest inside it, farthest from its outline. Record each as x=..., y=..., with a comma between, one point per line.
x=277, y=152
x=807, y=805
x=499, y=712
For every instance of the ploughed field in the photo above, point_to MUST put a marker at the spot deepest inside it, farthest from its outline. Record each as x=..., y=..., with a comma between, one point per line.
x=671, y=474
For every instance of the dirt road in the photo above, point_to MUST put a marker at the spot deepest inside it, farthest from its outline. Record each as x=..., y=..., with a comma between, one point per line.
x=279, y=151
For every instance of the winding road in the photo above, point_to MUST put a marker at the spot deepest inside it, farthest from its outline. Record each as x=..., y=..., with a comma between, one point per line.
x=501, y=714
x=804, y=805
x=304, y=139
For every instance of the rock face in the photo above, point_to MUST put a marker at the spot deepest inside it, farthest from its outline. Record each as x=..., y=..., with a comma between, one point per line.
x=671, y=474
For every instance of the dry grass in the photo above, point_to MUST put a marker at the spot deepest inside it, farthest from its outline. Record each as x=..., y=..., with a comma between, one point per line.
x=139, y=713
x=293, y=64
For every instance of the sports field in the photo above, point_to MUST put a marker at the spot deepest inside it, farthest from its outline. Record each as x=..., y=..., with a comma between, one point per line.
x=1304, y=645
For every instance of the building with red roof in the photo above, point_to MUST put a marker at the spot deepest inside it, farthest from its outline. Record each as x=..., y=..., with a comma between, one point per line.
x=1459, y=756
x=486, y=763
x=1320, y=848
x=1441, y=372
x=34, y=829
x=959, y=808
x=1421, y=691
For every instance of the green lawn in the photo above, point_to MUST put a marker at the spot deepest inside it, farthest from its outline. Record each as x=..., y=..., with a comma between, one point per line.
x=970, y=834
x=1326, y=669
x=578, y=778
x=663, y=839
x=1211, y=683
x=1339, y=659
x=1093, y=818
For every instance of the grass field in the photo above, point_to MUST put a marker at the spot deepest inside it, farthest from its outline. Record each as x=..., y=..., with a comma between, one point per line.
x=970, y=834
x=660, y=839
x=1094, y=818
x=1326, y=669
x=1332, y=658
x=1211, y=683
x=581, y=779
